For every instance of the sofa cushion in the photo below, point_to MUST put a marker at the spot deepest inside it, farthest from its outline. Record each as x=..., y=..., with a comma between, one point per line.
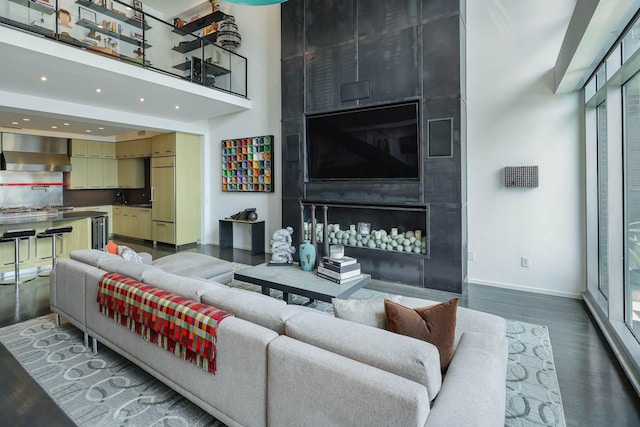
x=192, y=264
x=254, y=307
x=188, y=287
x=410, y=358
x=91, y=256
x=366, y=312
x=435, y=324
x=127, y=268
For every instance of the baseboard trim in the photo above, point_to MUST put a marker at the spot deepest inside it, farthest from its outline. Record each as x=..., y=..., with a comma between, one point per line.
x=526, y=289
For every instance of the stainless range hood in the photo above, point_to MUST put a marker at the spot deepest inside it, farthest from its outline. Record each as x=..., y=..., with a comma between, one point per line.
x=32, y=153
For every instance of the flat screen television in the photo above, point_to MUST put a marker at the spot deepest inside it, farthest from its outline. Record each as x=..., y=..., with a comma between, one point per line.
x=371, y=143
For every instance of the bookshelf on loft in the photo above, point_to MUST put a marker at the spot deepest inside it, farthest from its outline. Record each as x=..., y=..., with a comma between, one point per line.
x=194, y=64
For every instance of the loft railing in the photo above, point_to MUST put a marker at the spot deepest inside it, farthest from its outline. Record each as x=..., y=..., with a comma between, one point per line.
x=123, y=32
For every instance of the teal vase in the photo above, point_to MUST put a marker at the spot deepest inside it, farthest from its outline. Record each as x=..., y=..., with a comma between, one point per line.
x=307, y=256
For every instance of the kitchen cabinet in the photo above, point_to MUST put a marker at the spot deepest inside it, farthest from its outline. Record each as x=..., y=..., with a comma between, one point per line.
x=79, y=148
x=93, y=165
x=164, y=145
x=133, y=149
x=131, y=221
x=163, y=188
x=176, y=188
x=95, y=173
x=77, y=178
x=131, y=173
x=110, y=172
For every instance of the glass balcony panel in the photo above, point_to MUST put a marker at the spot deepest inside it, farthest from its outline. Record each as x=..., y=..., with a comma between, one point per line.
x=116, y=30
x=38, y=17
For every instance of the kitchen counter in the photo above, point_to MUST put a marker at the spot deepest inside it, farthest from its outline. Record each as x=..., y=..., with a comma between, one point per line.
x=60, y=216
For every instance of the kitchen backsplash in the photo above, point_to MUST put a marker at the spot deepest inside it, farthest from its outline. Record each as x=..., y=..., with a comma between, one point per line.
x=105, y=197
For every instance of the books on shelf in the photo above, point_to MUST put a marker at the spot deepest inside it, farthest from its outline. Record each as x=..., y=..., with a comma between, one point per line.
x=345, y=260
x=342, y=281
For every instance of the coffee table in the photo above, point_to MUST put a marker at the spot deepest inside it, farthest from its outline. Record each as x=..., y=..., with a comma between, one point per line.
x=293, y=280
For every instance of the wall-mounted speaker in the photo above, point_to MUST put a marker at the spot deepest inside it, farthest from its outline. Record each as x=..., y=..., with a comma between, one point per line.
x=521, y=176
x=292, y=149
x=439, y=137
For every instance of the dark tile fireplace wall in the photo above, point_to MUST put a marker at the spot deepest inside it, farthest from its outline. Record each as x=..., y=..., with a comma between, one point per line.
x=344, y=54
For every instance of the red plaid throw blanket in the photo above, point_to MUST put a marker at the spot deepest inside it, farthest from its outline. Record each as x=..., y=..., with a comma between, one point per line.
x=182, y=326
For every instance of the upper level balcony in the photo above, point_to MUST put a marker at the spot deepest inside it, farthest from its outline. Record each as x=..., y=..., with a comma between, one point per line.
x=116, y=46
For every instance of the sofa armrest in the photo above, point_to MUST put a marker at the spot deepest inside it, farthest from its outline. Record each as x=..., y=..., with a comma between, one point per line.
x=309, y=386
x=473, y=390
x=146, y=258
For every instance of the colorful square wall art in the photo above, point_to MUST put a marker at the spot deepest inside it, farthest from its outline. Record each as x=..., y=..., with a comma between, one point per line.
x=247, y=164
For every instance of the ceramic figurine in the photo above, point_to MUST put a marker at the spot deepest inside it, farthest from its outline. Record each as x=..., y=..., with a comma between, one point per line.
x=281, y=249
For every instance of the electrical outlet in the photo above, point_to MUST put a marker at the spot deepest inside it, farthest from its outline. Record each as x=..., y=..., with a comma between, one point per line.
x=524, y=261
x=471, y=256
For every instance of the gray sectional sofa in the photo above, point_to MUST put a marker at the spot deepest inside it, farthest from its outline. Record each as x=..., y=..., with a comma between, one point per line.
x=284, y=365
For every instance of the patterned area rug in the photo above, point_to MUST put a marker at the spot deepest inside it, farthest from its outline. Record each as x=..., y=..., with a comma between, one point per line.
x=107, y=390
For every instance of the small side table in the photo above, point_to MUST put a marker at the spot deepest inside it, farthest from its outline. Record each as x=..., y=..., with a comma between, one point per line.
x=257, y=234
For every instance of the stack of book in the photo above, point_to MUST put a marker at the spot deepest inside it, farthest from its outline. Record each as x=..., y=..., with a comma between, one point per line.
x=343, y=270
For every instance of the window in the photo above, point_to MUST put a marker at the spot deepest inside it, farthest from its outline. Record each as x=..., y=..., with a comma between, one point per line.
x=631, y=183
x=603, y=229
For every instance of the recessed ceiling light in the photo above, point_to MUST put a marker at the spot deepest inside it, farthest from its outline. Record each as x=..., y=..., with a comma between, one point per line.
x=141, y=99
x=88, y=130
x=43, y=78
x=54, y=127
x=177, y=107
x=98, y=90
x=66, y=124
x=26, y=120
x=101, y=128
x=15, y=123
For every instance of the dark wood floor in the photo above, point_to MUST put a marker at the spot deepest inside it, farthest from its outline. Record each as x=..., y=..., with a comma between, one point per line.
x=595, y=390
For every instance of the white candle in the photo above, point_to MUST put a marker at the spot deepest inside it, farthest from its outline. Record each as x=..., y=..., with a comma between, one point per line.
x=394, y=232
x=418, y=234
x=336, y=251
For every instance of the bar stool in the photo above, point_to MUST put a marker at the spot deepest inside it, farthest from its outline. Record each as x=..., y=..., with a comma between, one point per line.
x=54, y=233
x=16, y=236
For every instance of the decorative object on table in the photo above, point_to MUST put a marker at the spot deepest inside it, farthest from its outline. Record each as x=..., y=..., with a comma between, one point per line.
x=302, y=228
x=336, y=252
x=325, y=231
x=281, y=249
x=247, y=164
x=248, y=214
x=339, y=270
x=307, y=256
x=314, y=238
x=228, y=35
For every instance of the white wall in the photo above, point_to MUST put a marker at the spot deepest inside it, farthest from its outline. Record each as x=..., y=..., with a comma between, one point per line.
x=515, y=119
x=260, y=30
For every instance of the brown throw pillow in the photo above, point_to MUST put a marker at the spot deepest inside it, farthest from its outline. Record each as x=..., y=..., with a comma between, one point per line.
x=435, y=324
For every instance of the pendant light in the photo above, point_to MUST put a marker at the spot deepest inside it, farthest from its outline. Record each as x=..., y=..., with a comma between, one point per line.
x=255, y=2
